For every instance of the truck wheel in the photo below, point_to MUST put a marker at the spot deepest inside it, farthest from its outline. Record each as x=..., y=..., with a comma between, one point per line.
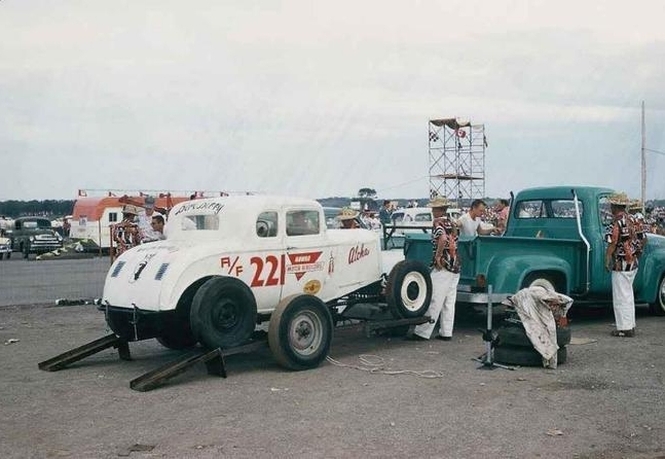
x=657, y=308
x=300, y=332
x=409, y=289
x=223, y=313
x=2, y=256
x=516, y=336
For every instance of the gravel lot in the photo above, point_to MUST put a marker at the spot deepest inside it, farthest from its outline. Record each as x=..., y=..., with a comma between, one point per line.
x=606, y=402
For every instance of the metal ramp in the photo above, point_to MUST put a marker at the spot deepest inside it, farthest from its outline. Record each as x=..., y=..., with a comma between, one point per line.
x=213, y=359
x=63, y=360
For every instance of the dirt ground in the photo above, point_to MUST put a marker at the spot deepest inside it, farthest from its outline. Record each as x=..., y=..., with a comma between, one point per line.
x=605, y=402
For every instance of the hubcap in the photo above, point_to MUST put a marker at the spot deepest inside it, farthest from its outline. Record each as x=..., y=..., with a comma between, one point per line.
x=305, y=333
x=413, y=291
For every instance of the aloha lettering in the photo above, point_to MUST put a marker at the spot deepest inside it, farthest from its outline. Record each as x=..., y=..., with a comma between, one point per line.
x=358, y=252
x=214, y=206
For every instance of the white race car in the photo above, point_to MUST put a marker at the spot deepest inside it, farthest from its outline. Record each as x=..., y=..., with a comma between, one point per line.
x=230, y=263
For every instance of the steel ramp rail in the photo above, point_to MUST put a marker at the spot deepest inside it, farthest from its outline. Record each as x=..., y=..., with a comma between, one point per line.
x=374, y=325
x=213, y=359
x=63, y=360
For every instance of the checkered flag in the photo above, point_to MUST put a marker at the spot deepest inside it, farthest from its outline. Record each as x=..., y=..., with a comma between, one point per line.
x=433, y=136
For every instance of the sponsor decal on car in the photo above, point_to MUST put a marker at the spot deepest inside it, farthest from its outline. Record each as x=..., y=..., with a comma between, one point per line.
x=358, y=252
x=305, y=262
x=312, y=287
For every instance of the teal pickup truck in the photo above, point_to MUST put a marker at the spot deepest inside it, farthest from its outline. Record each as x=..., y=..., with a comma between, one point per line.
x=554, y=236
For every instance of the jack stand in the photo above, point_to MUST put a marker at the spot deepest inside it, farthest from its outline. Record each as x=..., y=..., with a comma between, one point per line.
x=488, y=337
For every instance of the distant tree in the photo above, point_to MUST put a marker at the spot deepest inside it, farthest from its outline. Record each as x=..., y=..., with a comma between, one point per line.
x=367, y=193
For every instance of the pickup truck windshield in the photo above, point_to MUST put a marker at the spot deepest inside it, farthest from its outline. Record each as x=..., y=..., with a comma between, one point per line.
x=553, y=208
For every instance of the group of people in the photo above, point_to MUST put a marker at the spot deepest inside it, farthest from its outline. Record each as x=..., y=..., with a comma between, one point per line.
x=625, y=241
x=138, y=227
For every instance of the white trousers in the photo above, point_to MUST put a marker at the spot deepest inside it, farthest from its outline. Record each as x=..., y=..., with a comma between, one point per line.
x=442, y=305
x=623, y=299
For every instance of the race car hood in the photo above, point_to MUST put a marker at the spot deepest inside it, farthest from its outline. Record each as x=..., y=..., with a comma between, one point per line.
x=147, y=276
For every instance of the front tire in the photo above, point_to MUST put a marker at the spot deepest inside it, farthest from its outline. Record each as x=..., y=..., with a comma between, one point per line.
x=300, y=332
x=223, y=313
x=657, y=308
x=409, y=289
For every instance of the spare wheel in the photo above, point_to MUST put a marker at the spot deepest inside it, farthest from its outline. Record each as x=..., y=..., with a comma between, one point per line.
x=409, y=289
x=223, y=313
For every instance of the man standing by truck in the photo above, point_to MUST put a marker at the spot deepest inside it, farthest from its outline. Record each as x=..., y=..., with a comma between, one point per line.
x=621, y=259
x=445, y=274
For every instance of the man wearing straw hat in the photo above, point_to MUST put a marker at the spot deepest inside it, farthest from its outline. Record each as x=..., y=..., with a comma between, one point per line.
x=621, y=259
x=445, y=274
x=348, y=218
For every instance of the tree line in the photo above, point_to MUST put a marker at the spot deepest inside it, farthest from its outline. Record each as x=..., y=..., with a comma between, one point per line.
x=47, y=208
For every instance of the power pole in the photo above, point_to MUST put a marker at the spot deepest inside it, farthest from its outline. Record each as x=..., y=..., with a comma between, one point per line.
x=644, y=163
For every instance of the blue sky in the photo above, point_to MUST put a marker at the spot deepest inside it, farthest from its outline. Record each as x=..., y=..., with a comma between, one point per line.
x=320, y=99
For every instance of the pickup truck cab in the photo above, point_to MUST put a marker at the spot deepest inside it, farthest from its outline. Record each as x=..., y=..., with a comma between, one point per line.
x=230, y=263
x=33, y=235
x=555, y=237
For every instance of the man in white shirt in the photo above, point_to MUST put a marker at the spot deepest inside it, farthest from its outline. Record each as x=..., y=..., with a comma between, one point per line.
x=470, y=223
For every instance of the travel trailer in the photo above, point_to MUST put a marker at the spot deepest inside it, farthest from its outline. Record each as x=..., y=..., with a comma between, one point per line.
x=93, y=217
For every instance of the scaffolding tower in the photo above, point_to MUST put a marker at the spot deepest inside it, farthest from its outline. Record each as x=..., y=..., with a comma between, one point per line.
x=457, y=159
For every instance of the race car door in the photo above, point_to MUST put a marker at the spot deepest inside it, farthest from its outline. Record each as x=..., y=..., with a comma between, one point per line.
x=307, y=252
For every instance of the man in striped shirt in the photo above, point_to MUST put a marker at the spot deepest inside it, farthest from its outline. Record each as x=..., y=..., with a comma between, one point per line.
x=445, y=274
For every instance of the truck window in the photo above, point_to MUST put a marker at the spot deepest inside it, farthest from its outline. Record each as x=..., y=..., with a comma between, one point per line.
x=565, y=208
x=302, y=222
x=266, y=224
x=423, y=217
x=604, y=211
x=530, y=209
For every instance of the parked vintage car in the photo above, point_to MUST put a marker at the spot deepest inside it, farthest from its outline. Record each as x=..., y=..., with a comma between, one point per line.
x=33, y=235
x=5, y=247
x=231, y=263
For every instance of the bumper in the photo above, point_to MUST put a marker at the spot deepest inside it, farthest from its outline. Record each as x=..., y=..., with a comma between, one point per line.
x=481, y=297
x=136, y=324
x=36, y=247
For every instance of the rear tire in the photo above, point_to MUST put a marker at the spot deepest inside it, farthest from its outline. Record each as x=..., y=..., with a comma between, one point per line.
x=223, y=313
x=300, y=332
x=409, y=289
x=657, y=308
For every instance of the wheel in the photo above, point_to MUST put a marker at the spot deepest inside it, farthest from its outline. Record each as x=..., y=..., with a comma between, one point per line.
x=526, y=357
x=516, y=336
x=223, y=313
x=539, y=280
x=409, y=289
x=657, y=308
x=172, y=338
x=25, y=251
x=9, y=255
x=300, y=332
x=2, y=256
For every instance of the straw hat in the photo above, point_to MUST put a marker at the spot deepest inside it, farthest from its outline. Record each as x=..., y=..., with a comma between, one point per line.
x=129, y=209
x=618, y=199
x=347, y=213
x=438, y=201
x=635, y=204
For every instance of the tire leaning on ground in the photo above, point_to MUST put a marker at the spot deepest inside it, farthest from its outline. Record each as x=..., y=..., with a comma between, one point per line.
x=223, y=313
x=513, y=355
x=516, y=336
x=409, y=289
x=657, y=308
x=300, y=332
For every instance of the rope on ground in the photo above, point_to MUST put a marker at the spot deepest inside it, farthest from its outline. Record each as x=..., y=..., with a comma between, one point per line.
x=375, y=364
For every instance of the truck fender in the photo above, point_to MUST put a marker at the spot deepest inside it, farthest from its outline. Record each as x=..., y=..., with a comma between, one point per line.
x=507, y=274
x=652, y=267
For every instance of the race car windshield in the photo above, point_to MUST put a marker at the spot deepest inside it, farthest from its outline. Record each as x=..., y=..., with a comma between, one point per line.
x=199, y=223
